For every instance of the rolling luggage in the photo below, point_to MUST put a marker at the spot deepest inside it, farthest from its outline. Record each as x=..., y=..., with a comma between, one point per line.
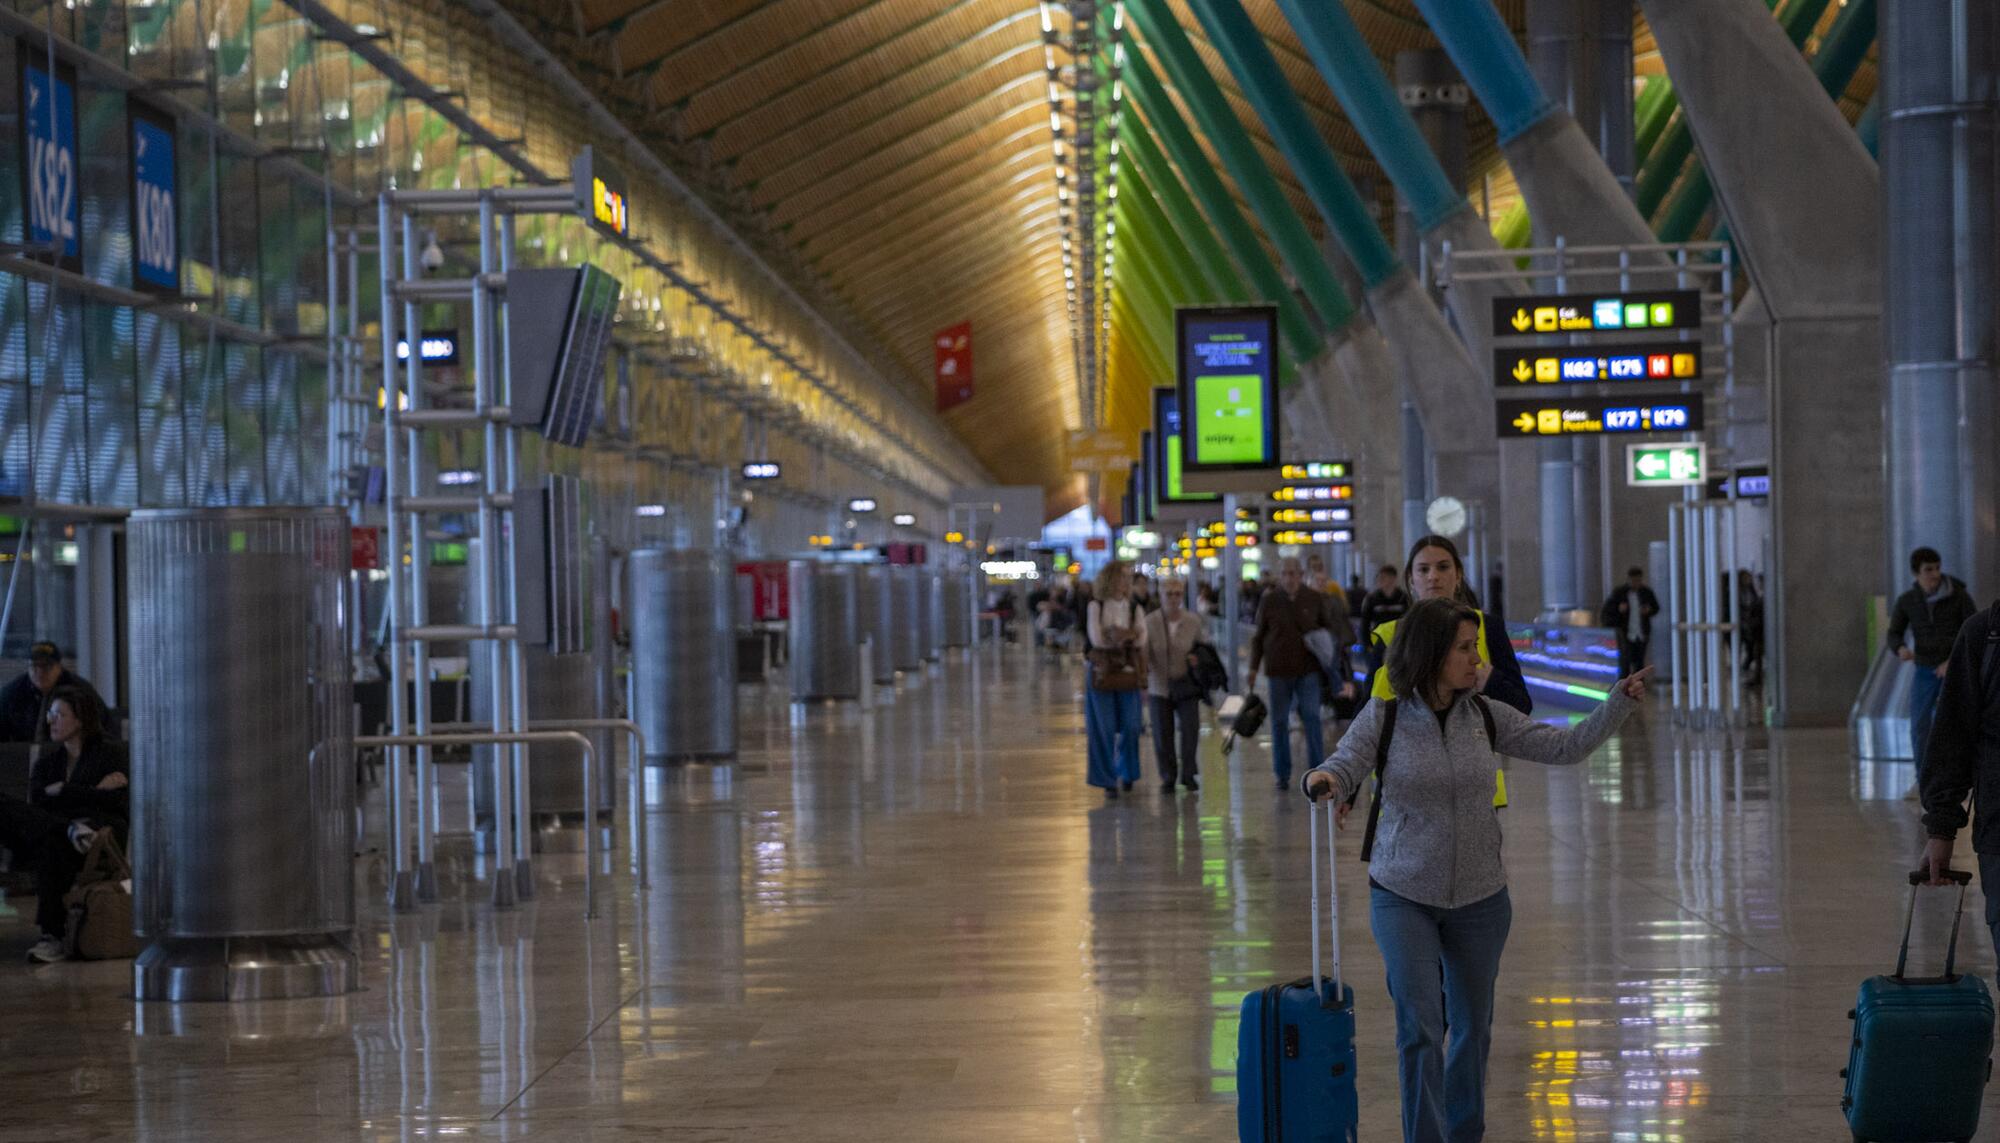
x=1922, y=1050
x=1245, y=716
x=1295, y=1045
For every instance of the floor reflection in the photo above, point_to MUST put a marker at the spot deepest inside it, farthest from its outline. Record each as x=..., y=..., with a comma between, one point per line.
x=915, y=922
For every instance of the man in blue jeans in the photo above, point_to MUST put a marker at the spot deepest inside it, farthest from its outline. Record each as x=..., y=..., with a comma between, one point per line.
x=1921, y=630
x=1278, y=647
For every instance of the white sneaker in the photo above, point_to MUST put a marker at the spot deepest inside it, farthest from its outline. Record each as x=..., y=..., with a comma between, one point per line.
x=48, y=950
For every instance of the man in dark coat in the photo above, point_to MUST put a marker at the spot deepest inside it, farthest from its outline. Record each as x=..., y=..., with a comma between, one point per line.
x=1921, y=630
x=1630, y=612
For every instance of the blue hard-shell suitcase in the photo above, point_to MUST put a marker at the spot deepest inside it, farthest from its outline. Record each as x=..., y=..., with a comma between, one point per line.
x=1295, y=1046
x=1922, y=1050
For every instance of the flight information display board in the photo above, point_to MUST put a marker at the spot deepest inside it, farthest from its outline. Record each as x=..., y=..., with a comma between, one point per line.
x=1596, y=365
x=1168, y=487
x=1228, y=390
x=1595, y=416
x=1596, y=313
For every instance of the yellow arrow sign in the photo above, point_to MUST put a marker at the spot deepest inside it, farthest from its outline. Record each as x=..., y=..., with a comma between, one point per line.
x=1522, y=320
x=1522, y=370
x=1525, y=422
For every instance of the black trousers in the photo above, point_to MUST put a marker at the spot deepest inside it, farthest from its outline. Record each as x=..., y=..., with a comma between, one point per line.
x=35, y=835
x=1631, y=655
x=1166, y=712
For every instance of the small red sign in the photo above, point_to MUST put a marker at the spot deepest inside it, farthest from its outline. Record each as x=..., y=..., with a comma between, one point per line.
x=1096, y=544
x=954, y=366
x=770, y=590
x=364, y=548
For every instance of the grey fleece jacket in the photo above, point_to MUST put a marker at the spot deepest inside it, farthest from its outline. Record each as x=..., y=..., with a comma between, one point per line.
x=1438, y=842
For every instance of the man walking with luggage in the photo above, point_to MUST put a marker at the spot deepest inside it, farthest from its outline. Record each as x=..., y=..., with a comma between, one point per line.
x=1963, y=756
x=1926, y=620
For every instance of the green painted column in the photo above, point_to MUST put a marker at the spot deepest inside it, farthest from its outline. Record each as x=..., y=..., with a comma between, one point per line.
x=1231, y=141
x=1218, y=273
x=1136, y=201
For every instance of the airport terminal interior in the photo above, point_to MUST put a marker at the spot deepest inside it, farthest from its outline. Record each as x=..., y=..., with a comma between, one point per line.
x=613, y=569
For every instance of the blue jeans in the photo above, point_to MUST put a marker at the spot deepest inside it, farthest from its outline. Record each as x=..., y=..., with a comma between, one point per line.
x=1924, y=688
x=1113, y=722
x=1302, y=692
x=1444, y=1088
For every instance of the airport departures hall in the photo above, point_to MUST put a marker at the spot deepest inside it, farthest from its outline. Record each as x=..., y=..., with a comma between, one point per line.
x=999, y=571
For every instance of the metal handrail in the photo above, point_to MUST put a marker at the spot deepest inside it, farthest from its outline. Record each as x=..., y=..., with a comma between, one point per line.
x=636, y=818
x=521, y=738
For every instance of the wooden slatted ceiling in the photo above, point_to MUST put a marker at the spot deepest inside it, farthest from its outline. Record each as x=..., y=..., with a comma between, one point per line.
x=901, y=149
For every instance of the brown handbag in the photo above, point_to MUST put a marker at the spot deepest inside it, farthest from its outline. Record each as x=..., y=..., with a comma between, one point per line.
x=1117, y=669
x=100, y=907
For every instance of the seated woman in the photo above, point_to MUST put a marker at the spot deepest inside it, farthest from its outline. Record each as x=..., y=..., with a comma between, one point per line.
x=1439, y=903
x=77, y=787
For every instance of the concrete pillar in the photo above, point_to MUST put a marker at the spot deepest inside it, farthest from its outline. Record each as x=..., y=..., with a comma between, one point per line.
x=1938, y=128
x=1803, y=202
x=1436, y=96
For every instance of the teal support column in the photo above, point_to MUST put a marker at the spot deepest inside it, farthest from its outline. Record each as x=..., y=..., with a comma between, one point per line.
x=1570, y=190
x=1218, y=273
x=1483, y=47
x=1249, y=59
x=1287, y=231
x=1223, y=213
x=1351, y=71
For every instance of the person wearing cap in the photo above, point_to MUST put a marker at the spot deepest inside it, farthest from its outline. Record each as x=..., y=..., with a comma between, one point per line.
x=24, y=703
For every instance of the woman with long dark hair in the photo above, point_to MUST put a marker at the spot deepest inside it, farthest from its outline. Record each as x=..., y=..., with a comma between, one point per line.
x=1438, y=891
x=76, y=787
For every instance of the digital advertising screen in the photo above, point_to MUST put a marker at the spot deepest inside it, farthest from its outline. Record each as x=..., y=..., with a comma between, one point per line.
x=1228, y=390
x=1169, y=495
x=1142, y=480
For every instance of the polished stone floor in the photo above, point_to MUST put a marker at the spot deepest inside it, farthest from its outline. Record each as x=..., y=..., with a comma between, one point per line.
x=918, y=924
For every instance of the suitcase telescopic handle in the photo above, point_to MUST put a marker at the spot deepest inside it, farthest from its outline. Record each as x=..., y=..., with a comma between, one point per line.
x=1333, y=897
x=1919, y=878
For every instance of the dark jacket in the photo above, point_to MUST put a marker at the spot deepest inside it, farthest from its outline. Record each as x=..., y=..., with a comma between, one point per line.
x=24, y=710
x=1278, y=645
x=1935, y=625
x=1648, y=604
x=78, y=795
x=1964, y=751
x=1378, y=608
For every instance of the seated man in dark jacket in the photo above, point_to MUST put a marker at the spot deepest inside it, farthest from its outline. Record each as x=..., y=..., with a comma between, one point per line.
x=76, y=788
x=24, y=702
x=1963, y=756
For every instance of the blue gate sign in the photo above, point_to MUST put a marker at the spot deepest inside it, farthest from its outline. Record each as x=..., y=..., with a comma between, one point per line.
x=156, y=247
x=48, y=143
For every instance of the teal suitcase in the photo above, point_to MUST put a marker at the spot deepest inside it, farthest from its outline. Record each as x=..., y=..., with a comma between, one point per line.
x=1922, y=1050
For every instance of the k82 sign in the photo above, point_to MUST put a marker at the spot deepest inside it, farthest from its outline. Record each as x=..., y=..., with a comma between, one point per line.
x=48, y=144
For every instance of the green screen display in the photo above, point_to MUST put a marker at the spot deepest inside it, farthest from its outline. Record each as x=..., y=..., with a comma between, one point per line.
x=1228, y=388
x=1231, y=408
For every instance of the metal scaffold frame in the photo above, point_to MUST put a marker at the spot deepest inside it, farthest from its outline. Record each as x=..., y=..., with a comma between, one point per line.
x=407, y=419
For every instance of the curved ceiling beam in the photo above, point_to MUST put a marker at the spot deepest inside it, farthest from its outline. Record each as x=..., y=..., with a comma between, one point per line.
x=972, y=207
x=1023, y=244
x=889, y=146
x=661, y=62
x=1037, y=112
x=841, y=207
x=832, y=69
x=1023, y=218
x=919, y=100
x=729, y=148
x=972, y=272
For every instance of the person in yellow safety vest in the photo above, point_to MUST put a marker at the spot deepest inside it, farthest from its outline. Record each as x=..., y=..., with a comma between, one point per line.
x=1434, y=570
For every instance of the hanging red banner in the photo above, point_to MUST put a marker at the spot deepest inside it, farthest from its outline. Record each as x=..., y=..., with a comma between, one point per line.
x=954, y=366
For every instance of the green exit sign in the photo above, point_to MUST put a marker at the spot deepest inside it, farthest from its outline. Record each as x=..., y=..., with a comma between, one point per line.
x=1666, y=465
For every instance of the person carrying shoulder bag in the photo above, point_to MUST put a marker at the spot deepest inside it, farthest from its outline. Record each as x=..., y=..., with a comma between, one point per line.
x=1438, y=891
x=1172, y=633
x=1115, y=677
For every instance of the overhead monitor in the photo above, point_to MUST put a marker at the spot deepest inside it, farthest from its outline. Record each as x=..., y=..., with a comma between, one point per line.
x=1171, y=501
x=1227, y=365
x=1142, y=480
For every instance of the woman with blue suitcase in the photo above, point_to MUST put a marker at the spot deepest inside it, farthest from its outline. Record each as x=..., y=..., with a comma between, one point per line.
x=1438, y=891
